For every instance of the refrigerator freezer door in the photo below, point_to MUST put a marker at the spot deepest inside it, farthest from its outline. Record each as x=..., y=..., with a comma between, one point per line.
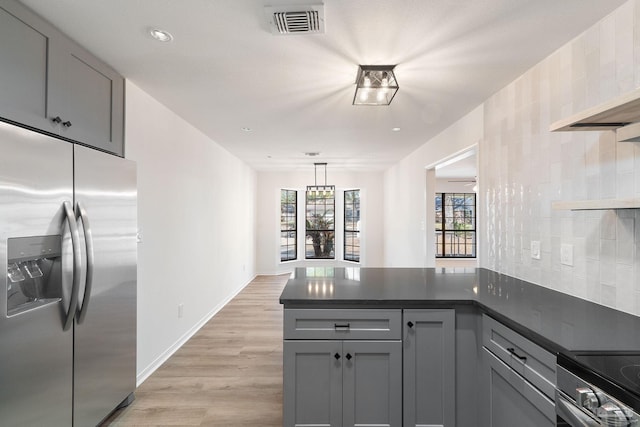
x=36, y=178
x=105, y=338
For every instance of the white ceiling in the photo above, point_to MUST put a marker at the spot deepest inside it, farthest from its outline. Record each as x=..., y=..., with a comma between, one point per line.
x=225, y=70
x=462, y=166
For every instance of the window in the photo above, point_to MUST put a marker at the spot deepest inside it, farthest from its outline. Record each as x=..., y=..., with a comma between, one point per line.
x=352, y=225
x=456, y=225
x=320, y=224
x=288, y=225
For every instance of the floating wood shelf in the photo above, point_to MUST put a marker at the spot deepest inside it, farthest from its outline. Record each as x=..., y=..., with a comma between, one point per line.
x=590, y=205
x=629, y=133
x=611, y=115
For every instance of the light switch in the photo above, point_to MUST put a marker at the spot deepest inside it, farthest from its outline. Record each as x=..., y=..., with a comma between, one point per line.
x=535, y=249
x=566, y=254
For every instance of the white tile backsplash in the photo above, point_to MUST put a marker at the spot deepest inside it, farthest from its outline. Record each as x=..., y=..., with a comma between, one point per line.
x=524, y=168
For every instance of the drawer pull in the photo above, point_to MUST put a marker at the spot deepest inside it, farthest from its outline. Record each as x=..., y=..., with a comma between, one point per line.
x=337, y=356
x=513, y=353
x=343, y=326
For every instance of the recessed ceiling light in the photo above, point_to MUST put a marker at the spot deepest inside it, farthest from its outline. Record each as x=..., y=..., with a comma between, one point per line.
x=246, y=129
x=395, y=129
x=312, y=153
x=161, y=35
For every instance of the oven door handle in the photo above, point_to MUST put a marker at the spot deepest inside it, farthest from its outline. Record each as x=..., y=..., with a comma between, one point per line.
x=572, y=414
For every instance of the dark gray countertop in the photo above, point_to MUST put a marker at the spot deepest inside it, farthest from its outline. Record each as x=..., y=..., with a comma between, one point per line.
x=556, y=321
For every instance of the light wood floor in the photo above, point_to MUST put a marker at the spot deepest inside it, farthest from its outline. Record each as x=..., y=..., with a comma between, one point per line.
x=228, y=374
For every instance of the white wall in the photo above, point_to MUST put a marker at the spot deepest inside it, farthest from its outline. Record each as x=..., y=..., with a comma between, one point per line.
x=268, y=229
x=209, y=222
x=524, y=167
x=196, y=212
x=408, y=240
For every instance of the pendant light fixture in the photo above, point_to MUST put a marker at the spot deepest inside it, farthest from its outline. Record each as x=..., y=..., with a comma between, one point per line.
x=375, y=85
x=320, y=190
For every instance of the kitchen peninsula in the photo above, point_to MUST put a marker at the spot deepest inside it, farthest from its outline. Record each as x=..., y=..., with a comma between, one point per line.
x=363, y=345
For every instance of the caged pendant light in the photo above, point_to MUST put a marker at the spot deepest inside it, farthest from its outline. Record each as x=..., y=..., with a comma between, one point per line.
x=375, y=85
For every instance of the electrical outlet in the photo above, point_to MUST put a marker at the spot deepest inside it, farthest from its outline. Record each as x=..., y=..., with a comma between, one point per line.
x=566, y=254
x=535, y=249
x=180, y=311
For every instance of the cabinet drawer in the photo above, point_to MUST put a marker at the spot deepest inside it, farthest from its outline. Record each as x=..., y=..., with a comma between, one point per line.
x=356, y=324
x=534, y=363
x=512, y=401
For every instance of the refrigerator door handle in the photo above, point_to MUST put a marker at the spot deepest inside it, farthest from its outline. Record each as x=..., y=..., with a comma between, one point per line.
x=88, y=239
x=75, y=244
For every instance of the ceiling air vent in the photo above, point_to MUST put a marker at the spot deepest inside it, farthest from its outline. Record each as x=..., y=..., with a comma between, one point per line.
x=300, y=19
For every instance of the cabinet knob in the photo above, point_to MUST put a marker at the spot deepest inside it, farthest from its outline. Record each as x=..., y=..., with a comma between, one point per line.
x=348, y=356
x=56, y=119
x=66, y=124
x=410, y=324
x=337, y=356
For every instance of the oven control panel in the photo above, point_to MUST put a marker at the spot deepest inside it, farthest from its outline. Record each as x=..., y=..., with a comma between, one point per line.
x=597, y=407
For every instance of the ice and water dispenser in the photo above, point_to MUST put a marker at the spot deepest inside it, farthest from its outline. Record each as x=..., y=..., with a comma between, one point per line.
x=34, y=276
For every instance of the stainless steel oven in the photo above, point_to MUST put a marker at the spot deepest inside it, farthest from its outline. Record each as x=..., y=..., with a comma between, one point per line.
x=598, y=389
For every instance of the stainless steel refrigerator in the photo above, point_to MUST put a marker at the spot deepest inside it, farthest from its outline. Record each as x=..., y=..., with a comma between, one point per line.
x=68, y=314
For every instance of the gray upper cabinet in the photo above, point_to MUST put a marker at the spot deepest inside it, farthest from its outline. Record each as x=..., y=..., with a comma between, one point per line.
x=88, y=97
x=23, y=72
x=429, y=368
x=51, y=84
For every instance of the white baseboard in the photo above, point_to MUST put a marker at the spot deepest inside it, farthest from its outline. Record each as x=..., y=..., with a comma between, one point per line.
x=151, y=368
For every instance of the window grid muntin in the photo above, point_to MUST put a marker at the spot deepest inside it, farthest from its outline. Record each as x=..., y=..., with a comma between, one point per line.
x=448, y=237
x=288, y=225
x=320, y=223
x=351, y=229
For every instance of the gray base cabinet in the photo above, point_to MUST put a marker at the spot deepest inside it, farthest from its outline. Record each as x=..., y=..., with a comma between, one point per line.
x=369, y=367
x=342, y=367
x=342, y=383
x=429, y=368
x=51, y=84
x=372, y=383
x=312, y=383
x=519, y=379
x=512, y=400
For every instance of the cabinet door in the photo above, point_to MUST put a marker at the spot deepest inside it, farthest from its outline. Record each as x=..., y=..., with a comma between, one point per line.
x=87, y=96
x=429, y=368
x=23, y=70
x=372, y=383
x=312, y=383
x=512, y=400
